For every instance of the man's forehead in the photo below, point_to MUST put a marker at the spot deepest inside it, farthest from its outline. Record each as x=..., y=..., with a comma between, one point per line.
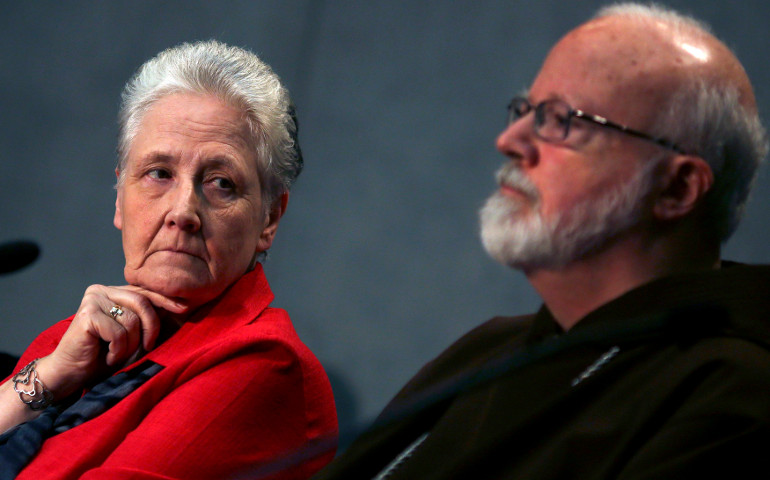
x=615, y=50
x=613, y=66
x=645, y=57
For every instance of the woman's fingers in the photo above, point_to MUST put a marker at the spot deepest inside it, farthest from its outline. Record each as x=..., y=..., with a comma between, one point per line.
x=138, y=318
x=124, y=319
x=159, y=300
x=150, y=334
x=134, y=322
x=124, y=333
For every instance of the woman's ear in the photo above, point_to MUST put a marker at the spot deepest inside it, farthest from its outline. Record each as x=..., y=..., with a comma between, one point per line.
x=277, y=209
x=685, y=181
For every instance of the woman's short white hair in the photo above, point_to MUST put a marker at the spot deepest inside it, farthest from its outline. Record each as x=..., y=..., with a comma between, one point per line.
x=238, y=78
x=707, y=118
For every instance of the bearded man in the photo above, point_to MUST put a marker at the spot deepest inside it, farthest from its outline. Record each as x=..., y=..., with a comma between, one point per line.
x=629, y=161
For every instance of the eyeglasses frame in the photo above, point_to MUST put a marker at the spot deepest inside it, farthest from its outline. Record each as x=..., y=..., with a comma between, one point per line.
x=539, y=110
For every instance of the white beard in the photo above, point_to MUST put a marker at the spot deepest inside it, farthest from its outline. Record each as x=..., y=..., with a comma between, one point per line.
x=514, y=232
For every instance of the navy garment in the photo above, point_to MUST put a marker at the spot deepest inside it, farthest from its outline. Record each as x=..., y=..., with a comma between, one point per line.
x=21, y=443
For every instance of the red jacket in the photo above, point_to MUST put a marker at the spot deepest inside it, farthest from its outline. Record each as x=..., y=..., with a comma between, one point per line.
x=238, y=390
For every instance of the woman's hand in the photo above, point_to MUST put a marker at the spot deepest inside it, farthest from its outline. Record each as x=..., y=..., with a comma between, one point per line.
x=97, y=343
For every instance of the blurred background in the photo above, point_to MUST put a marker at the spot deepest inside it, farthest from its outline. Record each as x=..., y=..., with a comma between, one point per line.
x=378, y=259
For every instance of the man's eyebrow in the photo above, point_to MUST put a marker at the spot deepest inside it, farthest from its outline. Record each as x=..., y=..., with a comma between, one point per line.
x=524, y=93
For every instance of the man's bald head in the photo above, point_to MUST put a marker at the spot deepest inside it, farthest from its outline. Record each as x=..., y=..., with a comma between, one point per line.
x=665, y=74
x=679, y=46
x=674, y=79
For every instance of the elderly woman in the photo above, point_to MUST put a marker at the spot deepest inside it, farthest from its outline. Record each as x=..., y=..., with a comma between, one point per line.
x=185, y=372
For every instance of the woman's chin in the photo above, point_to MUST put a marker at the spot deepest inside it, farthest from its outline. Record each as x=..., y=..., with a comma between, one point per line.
x=187, y=287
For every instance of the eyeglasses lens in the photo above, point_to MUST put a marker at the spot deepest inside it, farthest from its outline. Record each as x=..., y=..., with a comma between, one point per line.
x=552, y=120
x=517, y=109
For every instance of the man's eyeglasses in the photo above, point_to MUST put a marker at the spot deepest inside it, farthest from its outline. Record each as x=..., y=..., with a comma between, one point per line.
x=553, y=118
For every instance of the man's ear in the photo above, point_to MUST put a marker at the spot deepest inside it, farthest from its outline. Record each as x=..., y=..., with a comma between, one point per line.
x=118, y=218
x=685, y=181
x=277, y=209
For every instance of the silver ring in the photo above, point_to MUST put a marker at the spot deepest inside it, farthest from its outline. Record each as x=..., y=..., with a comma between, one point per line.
x=116, y=311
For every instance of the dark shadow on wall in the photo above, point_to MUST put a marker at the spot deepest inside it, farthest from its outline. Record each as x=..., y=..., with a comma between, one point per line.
x=7, y=364
x=347, y=407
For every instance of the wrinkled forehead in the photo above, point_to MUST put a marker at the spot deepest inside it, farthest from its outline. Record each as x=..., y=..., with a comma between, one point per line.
x=181, y=124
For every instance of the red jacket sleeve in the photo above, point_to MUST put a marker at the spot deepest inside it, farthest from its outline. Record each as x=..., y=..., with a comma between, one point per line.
x=44, y=344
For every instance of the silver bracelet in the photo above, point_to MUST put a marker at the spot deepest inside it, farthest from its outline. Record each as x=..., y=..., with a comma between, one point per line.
x=36, y=396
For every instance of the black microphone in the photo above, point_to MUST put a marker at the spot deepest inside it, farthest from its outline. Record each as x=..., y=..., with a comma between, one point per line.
x=17, y=254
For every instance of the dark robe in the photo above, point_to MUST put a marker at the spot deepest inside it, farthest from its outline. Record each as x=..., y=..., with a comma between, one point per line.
x=670, y=380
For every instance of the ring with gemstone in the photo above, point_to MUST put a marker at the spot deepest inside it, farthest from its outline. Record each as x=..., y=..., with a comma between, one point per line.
x=116, y=311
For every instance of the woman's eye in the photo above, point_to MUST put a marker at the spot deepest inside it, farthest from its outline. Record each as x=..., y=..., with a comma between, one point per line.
x=159, y=174
x=223, y=183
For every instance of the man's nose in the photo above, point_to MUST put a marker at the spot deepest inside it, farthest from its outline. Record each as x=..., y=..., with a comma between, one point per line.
x=516, y=141
x=184, y=211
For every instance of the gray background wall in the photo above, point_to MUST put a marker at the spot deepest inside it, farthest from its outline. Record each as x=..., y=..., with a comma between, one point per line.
x=377, y=260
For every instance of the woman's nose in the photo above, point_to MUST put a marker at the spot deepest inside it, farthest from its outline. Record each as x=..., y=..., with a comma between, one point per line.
x=184, y=209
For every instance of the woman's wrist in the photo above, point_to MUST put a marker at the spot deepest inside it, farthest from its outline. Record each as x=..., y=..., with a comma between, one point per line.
x=31, y=389
x=54, y=376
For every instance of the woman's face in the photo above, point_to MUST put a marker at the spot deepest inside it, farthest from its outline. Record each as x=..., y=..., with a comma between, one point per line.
x=189, y=205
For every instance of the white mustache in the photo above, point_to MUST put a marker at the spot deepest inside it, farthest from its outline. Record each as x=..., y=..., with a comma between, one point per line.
x=511, y=176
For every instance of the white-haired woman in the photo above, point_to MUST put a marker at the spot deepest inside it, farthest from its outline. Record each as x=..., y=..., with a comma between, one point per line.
x=185, y=372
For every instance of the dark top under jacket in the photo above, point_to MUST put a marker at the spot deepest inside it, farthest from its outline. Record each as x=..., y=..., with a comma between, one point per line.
x=671, y=380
